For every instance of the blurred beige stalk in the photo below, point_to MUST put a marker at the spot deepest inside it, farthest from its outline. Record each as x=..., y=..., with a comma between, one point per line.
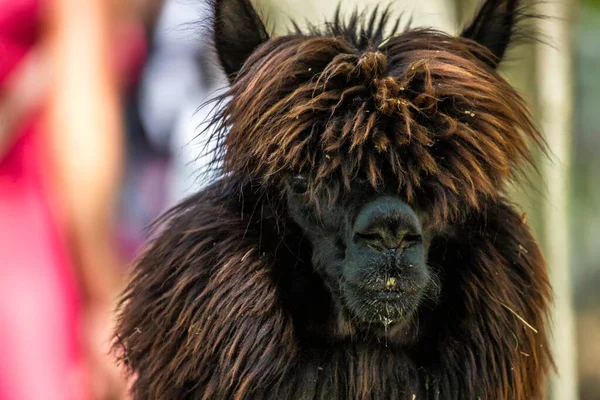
x=85, y=121
x=84, y=118
x=555, y=114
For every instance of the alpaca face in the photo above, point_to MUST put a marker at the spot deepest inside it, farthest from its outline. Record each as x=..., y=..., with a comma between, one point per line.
x=370, y=249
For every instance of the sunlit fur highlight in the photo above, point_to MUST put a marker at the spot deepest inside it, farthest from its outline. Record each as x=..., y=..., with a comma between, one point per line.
x=207, y=316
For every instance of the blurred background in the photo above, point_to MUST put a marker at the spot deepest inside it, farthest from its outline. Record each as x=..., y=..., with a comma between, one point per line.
x=98, y=122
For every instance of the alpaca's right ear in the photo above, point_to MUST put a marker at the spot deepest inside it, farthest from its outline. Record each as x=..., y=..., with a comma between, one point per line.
x=237, y=31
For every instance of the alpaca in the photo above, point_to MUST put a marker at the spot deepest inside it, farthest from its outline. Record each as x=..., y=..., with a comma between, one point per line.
x=359, y=243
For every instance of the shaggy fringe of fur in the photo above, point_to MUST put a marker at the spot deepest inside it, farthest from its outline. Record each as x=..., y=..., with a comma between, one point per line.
x=424, y=100
x=211, y=310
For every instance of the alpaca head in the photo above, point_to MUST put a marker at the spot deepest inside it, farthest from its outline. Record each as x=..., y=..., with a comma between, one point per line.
x=359, y=243
x=373, y=144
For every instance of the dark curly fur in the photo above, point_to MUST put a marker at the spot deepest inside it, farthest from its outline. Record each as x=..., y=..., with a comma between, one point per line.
x=227, y=300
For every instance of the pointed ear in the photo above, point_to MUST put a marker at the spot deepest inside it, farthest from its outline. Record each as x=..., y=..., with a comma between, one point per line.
x=237, y=31
x=494, y=27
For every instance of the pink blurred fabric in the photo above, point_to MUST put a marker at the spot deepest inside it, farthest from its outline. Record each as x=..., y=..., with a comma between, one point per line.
x=40, y=309
x=39, y=354
x=39, y=300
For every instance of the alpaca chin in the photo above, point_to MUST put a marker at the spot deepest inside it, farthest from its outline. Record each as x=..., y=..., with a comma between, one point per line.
x=387, y=312
x=383, y=307
x=393, y=321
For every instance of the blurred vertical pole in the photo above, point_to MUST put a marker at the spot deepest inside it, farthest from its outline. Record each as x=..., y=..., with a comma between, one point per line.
x=84, y=117
x=86, y=161
x=554, y=85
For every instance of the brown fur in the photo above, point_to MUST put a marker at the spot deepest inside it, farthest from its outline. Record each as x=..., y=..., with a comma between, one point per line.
x=422, y=105
x=213, y=310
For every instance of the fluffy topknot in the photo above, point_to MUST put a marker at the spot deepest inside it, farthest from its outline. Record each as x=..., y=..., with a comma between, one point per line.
x=422, y=112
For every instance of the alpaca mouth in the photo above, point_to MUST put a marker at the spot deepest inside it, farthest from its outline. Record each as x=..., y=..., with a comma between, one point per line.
x=384, y=306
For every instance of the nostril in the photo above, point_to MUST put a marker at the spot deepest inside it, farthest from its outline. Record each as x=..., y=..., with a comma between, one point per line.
x=408, y=240
x=369, y=236
x=384, y=240
x=373, y=239
x=386, y=223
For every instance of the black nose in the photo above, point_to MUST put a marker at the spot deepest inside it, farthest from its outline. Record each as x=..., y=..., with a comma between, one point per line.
x=387, y=223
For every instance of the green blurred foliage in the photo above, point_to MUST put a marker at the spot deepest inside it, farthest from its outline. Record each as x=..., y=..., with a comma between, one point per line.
x=593, y=3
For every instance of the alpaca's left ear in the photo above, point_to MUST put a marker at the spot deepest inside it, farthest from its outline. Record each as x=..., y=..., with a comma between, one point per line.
x=237, y=31
x=494, y=26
